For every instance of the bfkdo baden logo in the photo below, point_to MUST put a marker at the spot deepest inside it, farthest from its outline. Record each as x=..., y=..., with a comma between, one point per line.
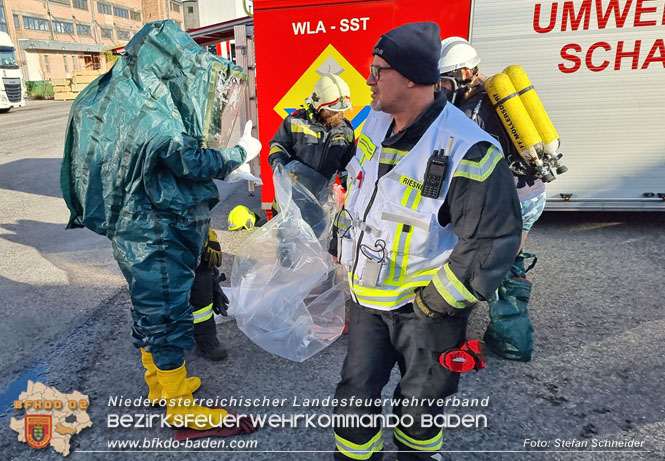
x=51, y=417
x=38, y=430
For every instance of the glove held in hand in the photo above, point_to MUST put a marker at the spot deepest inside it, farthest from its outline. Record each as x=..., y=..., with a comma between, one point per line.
x=213, y=251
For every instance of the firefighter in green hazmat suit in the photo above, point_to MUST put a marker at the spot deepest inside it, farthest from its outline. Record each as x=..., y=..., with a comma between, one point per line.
x=136, y=169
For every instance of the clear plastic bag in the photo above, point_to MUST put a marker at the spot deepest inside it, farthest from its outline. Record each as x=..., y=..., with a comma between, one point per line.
x=288, y=296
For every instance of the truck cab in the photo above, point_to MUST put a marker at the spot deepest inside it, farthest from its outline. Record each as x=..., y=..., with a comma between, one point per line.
x=11, y=78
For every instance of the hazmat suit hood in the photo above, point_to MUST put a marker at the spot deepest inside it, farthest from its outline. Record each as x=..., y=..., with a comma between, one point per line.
x=166, y=95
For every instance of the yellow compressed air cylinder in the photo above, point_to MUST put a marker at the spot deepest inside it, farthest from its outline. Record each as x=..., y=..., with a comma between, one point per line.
x=534, y=108
x=515, y=117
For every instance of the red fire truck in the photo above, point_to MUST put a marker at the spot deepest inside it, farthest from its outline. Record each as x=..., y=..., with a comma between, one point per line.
x=597, y=65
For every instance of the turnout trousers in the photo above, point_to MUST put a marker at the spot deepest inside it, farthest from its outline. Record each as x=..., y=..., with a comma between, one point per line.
x=377, y=341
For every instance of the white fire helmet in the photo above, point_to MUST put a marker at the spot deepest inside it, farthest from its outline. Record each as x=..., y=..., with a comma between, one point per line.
x=456, y=53
x=332, y=93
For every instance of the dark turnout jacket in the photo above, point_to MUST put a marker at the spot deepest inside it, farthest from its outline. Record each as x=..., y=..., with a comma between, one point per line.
x=302, y=137
x=478, y=108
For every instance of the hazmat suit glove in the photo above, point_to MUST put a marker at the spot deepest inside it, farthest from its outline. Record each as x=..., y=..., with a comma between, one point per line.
x=213, y=250
x=429, y=305
x=220, y=302
x=250, y=144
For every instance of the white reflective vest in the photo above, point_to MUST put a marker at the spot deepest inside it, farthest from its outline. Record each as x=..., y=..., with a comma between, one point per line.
x=392, y=242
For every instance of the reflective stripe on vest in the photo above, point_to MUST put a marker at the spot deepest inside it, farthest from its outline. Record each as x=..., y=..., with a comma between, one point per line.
x=355, y=451
x=203, y=314
x=432, y=444
x=367, y=147
x=391, y=292
x=391, y=156
x=398, y=264
x=416, y=245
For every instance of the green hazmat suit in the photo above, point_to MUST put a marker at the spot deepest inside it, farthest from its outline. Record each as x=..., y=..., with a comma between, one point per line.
x=136, y=170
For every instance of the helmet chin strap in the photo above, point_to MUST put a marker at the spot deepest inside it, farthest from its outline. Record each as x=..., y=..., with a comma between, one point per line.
x=460, y=85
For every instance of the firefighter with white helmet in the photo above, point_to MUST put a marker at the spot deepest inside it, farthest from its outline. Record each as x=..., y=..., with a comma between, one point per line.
x=459, y=62
x=320, y=139
x=460, y=76
x=317, y=134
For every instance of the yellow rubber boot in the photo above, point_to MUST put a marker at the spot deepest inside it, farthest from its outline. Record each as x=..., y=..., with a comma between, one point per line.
x=154, y=388
x=180, y=408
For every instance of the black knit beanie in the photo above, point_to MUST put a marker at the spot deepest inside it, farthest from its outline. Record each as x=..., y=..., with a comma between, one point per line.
x=413, y=50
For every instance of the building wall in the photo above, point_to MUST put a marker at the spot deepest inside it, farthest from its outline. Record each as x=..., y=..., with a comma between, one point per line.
x=154, y=10
x=54, y=53
x=191, y=14
x=214, y=11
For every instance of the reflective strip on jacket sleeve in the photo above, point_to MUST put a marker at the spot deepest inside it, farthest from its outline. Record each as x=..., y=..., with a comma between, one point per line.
x=302, y=126
x=451, y=289
x=480, y=170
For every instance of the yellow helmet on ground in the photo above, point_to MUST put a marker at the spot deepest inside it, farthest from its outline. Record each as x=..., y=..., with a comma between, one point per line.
x=241, y=216
x=332, y=93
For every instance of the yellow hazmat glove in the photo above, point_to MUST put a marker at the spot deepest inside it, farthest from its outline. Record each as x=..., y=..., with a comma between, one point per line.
x=213, y=250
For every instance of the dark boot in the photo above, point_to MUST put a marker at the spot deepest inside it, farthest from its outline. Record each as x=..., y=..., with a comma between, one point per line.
x=207, y=344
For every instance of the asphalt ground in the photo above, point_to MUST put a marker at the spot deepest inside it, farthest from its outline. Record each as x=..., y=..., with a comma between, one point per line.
x=597, y=309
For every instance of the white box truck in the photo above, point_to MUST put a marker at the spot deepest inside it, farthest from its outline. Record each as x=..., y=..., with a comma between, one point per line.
x=11, y=78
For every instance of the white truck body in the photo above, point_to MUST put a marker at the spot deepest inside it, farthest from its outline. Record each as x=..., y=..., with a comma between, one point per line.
x=599, y=69
x=11, y=78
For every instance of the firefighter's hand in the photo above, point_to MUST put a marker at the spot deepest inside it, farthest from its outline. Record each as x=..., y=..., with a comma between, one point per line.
x=220, y=303
x=250, y=144
x=213, y=250
x=430, y=305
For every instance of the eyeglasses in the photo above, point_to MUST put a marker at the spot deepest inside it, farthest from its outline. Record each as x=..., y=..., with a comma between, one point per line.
x=375, y=71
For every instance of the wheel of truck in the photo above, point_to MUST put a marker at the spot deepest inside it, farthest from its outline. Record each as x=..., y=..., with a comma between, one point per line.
x=4, y=111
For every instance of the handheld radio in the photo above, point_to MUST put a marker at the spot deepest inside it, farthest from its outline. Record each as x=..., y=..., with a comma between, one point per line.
x=437, y=167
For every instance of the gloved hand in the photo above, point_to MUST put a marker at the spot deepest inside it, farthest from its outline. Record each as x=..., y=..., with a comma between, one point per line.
x=213, y=252
x=250, y=144
x=429, y=305
x=277, y=162
x=220, y=303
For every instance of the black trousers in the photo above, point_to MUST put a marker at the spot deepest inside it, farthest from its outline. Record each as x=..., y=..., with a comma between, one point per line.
x=377, y=341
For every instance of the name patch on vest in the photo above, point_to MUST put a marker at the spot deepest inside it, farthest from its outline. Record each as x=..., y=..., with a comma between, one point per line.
x=412, y=183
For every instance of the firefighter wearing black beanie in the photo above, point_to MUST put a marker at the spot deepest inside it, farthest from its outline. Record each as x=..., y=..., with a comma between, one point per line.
x=413, y=50
x=417, y=262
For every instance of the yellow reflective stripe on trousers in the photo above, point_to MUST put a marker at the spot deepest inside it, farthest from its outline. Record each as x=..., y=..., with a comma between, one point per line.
x=402, y=243
x=479, y=171
x=433, y=444
x=451, y=289
x=355, y=451
x=203, y=314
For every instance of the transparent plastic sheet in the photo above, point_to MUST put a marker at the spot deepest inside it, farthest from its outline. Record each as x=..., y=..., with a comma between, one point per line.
x=225, y=111
x=287, y=294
